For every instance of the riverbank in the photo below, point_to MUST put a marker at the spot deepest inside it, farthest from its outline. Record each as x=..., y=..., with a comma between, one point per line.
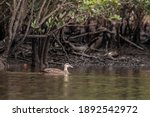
x=129, y=57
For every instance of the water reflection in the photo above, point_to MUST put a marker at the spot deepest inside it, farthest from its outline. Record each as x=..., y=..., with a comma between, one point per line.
x=84, y=83
x=3, y=86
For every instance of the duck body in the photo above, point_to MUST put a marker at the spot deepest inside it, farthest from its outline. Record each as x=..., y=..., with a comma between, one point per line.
x=54, y=71
x=58, y=72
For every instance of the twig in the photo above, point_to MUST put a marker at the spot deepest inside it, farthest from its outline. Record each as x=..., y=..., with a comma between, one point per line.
x=34, y=36
x=2, y=2
x=89, y=33
x=101, y=29
x=41, y=9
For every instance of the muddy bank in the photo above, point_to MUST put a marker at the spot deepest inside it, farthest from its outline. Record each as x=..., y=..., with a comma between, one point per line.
x=129, y=57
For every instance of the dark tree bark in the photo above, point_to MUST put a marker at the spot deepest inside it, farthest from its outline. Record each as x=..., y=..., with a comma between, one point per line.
x=35, y=55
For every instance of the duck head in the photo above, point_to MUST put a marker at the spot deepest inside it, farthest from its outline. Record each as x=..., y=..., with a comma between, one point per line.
x=67, y=65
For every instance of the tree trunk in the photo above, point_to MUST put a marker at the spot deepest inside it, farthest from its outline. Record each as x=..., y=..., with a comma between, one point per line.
x=46, y=51
x=35, y=56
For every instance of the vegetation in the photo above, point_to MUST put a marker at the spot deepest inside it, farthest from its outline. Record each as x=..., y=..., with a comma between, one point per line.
x=33, y=29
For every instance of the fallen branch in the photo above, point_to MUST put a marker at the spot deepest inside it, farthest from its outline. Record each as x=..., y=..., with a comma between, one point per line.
x=84, y=55
x=76, y=48
x=127, y=40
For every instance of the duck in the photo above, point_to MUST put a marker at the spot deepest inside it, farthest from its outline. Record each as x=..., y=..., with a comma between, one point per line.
x=58, y=72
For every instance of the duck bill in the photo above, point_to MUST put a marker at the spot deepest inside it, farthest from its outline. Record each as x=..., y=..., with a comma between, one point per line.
x=71, y=66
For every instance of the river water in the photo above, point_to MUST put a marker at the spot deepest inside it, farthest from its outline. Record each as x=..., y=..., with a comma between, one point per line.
x=90, y=82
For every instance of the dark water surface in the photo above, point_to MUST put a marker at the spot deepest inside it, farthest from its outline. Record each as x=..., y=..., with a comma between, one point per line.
x=83, y=83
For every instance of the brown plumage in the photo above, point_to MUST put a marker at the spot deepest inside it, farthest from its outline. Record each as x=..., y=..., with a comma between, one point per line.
x=55, y=71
